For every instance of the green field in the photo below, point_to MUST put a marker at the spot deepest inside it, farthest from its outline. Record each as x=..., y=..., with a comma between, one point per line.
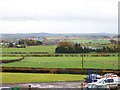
x=82, y=40
x=49, y=49
x=30, y=77
x=9, y=58
x=66, y=62
x=93, y=41
x=110, y=62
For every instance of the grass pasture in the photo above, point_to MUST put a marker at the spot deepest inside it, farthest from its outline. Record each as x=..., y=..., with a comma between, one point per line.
x=30, y=77
x=93, y=41
x=49, y=49
x=9, y=58
x=67, y=62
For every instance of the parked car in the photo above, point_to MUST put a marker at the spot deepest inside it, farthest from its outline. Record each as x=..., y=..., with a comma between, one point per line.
x=110, y=75
x=94, y=86
x=5, y=88
x=92, y=78
x=111, y=82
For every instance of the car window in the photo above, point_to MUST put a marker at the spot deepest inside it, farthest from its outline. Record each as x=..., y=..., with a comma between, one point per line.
x=101, y=81
x=94, y=86
x=109, y=80
x=90, y=86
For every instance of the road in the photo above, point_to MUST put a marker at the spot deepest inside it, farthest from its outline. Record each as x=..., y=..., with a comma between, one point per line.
x=47, y=86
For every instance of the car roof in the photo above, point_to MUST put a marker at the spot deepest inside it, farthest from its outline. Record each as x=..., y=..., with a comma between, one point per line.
x=110, y=74
x=4, y=87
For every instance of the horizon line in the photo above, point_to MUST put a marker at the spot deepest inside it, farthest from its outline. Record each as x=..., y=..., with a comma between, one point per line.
x=60, y=33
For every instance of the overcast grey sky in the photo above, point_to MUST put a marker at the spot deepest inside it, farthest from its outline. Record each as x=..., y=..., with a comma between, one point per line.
x=59, y=16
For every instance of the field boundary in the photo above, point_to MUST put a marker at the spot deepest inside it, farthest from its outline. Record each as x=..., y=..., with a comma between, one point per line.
x=10, y=61
x=57, y=70
x=62, y=55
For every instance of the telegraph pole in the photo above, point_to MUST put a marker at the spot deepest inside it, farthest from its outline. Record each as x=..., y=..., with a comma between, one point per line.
x=82, y=61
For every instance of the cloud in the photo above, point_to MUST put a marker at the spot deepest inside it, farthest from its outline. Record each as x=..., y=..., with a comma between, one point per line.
x=58, y=26
x=60, y=15
x=7, y=18
x=56, y=18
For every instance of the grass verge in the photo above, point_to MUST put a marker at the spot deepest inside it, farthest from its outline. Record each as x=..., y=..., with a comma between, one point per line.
x=31, y=77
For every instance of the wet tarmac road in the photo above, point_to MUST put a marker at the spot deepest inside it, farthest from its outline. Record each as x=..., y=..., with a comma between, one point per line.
x=55, y=85
x=48, y=86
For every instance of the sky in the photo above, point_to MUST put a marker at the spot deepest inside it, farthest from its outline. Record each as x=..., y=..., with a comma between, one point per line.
x=59, y=16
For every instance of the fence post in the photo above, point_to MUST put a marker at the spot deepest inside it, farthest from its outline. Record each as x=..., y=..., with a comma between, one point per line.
x=81, y=85
x=29, y=87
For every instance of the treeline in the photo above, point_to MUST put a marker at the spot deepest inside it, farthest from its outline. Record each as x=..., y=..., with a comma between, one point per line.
x=24, y=42
x=70, y=47
x=30, y=42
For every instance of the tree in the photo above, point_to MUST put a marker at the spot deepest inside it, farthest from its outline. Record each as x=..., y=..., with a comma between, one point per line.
x=68, y=47
x=78, y=48
x=113, y=41
x=65, y=47
x=60, y=49
x=30, y=42
x=10, y=45
x=66, y=43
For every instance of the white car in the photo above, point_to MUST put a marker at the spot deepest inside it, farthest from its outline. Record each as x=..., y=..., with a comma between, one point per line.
x=94, y=86
x=109, y=75
x=111, y=82
x=5, y=88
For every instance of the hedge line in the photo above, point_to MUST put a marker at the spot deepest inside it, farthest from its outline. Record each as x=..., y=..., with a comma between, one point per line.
x=10, y=61
x=57, y=70
x=59, y=55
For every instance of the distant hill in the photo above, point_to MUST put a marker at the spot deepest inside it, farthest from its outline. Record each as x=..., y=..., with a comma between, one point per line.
x=17, y=36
